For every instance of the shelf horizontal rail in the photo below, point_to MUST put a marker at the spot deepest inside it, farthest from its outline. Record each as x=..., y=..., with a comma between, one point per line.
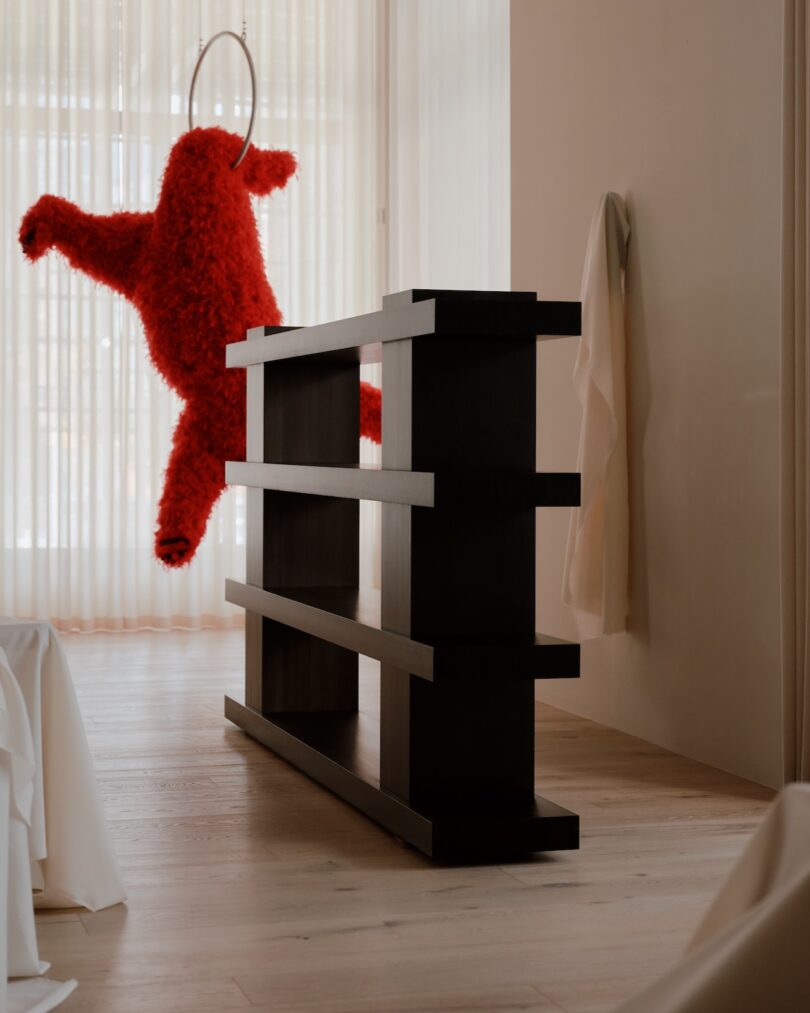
x=443, y=317
x=328, y=755
x=416, y=488
x=470, y=490
x=350, y=618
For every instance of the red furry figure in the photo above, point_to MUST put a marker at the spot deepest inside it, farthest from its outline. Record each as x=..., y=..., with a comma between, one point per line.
x=193, y=269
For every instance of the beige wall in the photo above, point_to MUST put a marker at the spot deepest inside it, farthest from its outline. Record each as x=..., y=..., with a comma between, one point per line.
x=676, y=105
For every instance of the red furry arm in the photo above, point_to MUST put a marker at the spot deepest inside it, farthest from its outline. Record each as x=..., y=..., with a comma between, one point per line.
x=370, y=412
x=105, y=247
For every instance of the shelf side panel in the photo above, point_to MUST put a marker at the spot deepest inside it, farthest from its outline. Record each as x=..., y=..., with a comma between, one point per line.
x=459, y=572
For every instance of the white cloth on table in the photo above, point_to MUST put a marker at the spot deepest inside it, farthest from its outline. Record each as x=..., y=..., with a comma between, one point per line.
x=18, y=948
x=19, y=956
x=37, y=995
x=596, y=559
x=73, y=861
x=750, y=952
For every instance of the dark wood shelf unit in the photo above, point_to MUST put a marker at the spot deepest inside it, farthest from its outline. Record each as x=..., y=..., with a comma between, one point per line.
x=449, y=764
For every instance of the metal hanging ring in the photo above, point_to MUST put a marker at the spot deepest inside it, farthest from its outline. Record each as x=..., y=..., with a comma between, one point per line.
x=249, y=58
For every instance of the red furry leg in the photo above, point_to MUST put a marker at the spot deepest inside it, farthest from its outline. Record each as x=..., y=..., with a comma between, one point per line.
x=195, y=476
x=194, y=479
x=370, y=412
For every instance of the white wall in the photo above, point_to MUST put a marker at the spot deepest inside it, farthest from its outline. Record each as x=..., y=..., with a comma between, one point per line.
x=676, y=104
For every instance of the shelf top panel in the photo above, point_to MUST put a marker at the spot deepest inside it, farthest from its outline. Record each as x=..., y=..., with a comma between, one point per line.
x=413, y=295
x=450, y=315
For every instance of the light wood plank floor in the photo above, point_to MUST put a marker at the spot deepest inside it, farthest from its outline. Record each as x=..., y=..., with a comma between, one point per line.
x=251, y=888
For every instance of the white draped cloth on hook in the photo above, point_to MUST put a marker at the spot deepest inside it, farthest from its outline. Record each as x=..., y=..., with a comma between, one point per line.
x=596, y=560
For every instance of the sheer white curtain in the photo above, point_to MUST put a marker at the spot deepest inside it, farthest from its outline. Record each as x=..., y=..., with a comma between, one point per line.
x=447, y=165
x=94, y=95
x=449, y=174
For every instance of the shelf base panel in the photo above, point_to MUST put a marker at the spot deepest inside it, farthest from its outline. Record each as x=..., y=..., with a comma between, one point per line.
x=467, y=836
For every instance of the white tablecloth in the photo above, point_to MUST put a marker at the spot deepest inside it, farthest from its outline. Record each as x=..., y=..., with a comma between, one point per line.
x=54, y=839
x=751, y=952
x=73, y=861
x=18, y=941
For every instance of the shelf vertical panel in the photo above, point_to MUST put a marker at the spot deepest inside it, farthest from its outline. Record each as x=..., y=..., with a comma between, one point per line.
x=254, y=523
x=458, y=572
x=301, y=411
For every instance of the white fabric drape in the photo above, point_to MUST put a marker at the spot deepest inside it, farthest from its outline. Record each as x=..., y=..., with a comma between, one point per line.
x=795, y=393
x=94, y=94
x=73, y=862
x=18, y=950
x=19, y=954
x=596, y=558
x=749, y=953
